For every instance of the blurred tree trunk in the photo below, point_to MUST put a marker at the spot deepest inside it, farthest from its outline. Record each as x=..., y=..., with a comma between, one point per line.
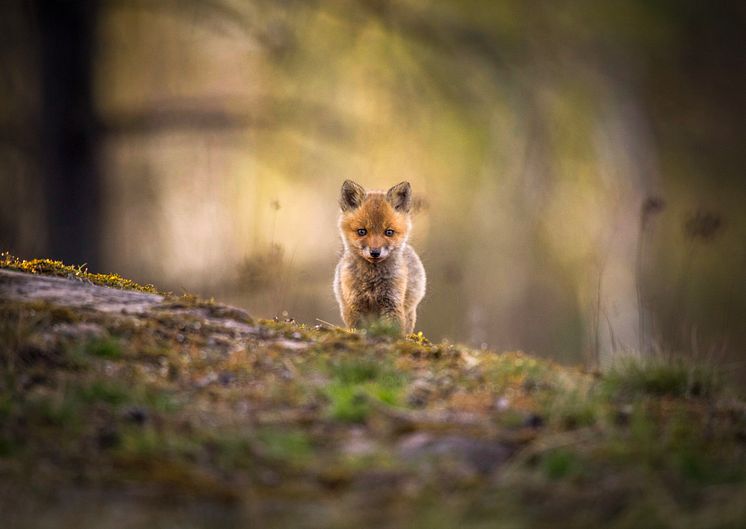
x=68, y=129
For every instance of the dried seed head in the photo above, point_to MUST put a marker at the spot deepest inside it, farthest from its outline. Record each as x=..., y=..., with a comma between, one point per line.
x=702, y=225
x=651, y=206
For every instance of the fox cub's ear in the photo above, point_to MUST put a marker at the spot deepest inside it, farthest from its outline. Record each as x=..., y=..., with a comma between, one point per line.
x=400, y=196
x=352, y=196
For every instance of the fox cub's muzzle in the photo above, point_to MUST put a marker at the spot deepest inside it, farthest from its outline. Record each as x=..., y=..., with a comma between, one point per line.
x=375, y=255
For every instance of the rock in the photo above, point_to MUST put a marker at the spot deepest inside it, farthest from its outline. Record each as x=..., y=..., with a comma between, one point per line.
x=226, y=378
x=419, y=393
x=108, y=437
x=292, y=346
x=136, y=415
x=86, y=331
x=358, y=443
x=480, y=456
x=17, y=286
x=533, y=421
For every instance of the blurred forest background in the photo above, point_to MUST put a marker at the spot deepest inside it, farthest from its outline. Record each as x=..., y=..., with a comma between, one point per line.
x=581, y=163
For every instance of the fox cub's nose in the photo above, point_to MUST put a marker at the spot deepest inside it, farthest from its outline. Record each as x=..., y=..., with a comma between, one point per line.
x=375, y=252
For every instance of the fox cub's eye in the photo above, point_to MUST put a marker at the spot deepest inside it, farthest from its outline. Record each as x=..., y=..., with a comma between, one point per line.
x=362, y=231
x=389, y=233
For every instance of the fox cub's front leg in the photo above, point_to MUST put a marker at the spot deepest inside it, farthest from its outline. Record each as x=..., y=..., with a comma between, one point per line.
x=396, y=316
x=354, y=317
x=351, y=317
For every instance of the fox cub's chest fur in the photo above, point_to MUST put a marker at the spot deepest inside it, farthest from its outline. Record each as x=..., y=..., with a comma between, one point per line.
x=379, y=274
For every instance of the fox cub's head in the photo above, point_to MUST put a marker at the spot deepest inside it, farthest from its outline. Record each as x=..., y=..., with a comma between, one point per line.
x=374, y=224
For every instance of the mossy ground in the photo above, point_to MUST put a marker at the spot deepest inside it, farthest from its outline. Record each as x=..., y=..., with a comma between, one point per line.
x=81, y=273
x=286, y=425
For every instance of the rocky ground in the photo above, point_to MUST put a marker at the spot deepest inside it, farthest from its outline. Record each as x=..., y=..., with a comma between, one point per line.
x=122, y=406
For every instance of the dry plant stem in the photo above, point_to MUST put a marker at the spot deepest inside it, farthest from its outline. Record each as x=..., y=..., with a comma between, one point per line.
x=641, y=331
x=330, y=325
x=678, y=311
x=595, y=359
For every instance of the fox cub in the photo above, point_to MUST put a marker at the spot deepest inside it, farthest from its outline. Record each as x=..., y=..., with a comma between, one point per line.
x=379, y=274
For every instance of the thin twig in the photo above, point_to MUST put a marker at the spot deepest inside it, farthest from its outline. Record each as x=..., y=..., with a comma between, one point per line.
x=331, y=325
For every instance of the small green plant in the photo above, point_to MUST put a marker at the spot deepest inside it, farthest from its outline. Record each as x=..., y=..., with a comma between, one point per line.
x=7, y=447
x=658, y=377
x=292, y=446
x=559, y=464
x=355, y=371
x=419, y=338
x=150, y=443
x=355, y=382
x=232, y=452
x=104, y=348
x=103, y=392
x=383, y=328
x=161, y=401
x=64, y=411
x=347, y=403
x=510, y=369
x=574, y=409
